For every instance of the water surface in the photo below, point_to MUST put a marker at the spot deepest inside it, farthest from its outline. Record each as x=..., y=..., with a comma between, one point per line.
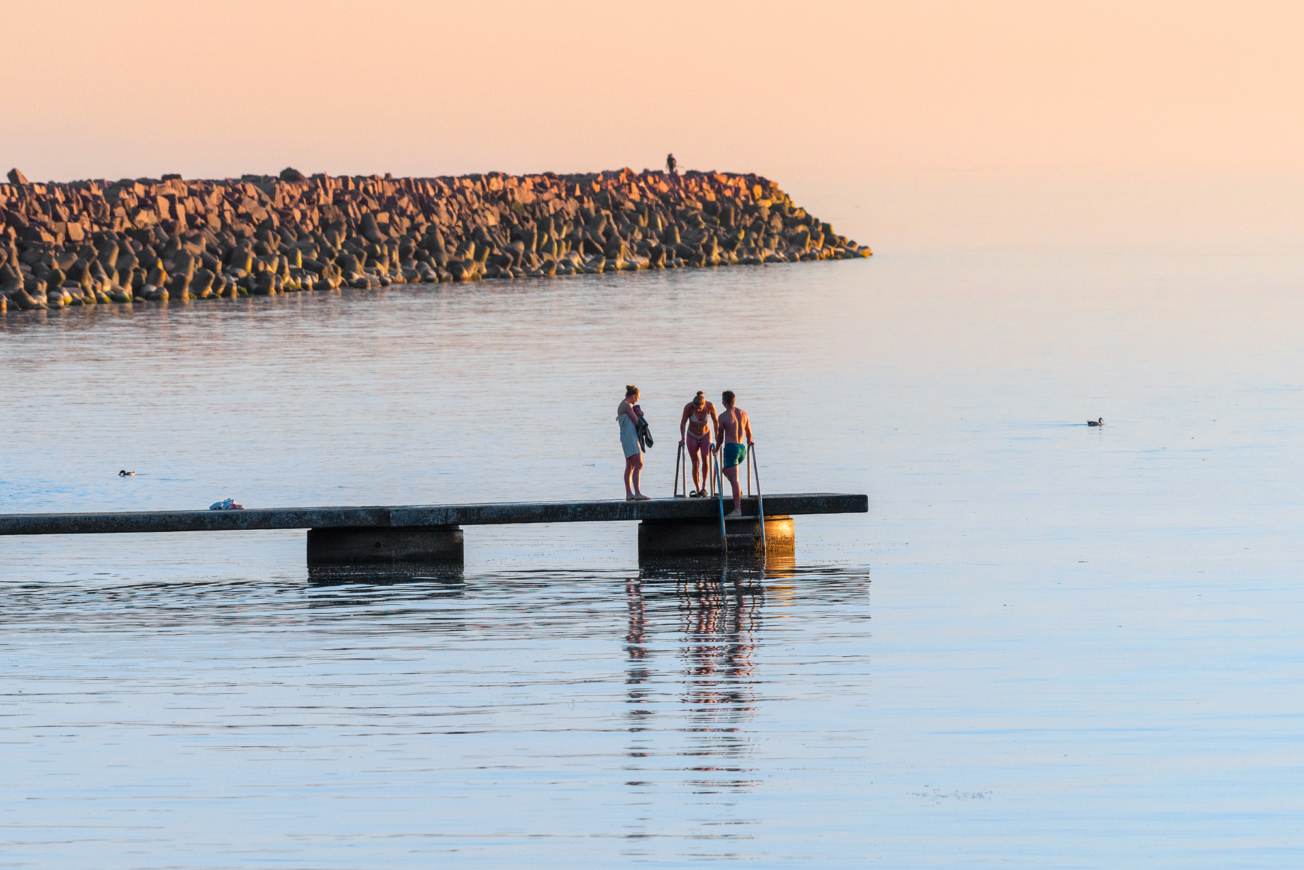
x=1045, y=645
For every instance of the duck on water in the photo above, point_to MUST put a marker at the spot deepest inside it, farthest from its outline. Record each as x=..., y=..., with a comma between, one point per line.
x=1100, y=422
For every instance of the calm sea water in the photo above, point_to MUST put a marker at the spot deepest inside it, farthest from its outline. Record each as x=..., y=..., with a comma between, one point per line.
x=1044, y=646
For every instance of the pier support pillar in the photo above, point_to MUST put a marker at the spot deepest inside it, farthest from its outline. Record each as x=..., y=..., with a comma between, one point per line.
x=661, y=539
x=381, y=545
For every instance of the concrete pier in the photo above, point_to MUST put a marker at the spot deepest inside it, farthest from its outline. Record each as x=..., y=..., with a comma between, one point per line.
x=432, y=534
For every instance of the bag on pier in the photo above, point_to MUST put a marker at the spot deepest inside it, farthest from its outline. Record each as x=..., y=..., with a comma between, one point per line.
x=227, y=504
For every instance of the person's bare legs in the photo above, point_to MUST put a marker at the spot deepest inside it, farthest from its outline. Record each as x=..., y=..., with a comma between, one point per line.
x=633, y=470
x=694, y=451
x=732, y=473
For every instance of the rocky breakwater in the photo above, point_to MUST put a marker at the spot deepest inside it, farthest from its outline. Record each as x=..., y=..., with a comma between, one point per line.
x=96, y=242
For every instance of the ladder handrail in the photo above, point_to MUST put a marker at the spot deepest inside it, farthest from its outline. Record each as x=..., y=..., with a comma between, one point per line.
x=753, y=467
x=748, y=466
x=709, y=485
x=760, y=499
x=719, y=496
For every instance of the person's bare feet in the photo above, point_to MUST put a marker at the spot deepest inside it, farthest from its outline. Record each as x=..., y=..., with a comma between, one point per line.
x=641, y=497
x=733, y=515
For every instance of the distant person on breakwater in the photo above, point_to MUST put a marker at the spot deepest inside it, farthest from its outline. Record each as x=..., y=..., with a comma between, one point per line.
x=735, y=425
x=699, y=416
x=671, y=163
x=628, y=416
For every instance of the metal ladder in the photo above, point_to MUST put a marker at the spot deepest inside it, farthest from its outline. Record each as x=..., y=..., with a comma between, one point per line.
x=751, y=465
x=682, y=465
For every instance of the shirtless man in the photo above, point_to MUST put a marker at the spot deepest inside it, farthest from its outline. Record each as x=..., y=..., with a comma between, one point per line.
x=699, y=417
x=734, y=426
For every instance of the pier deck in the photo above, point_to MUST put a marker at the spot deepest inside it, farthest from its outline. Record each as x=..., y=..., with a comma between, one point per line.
x=432, y=534
x=410, y=516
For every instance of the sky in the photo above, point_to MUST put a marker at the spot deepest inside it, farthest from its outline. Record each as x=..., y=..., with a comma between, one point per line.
x=138, y=88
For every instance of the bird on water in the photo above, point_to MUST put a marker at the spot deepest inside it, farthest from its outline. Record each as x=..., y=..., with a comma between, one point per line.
x=1100, y=422
x=125, y=473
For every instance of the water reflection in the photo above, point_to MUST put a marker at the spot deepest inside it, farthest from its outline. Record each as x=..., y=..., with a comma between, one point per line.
x=372, y=575
x=719, y=622
x=468, y=695
x=718, y=615
x=637, y=677
x=696, y=636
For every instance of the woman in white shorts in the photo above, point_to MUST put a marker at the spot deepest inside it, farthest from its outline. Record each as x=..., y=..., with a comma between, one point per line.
x=628, y=418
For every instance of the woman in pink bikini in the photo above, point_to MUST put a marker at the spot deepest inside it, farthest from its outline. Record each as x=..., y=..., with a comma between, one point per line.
x=697, y=415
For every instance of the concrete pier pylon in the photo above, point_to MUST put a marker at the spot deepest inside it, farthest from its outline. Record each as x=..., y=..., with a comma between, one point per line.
x=379, y=545
x=661, y=539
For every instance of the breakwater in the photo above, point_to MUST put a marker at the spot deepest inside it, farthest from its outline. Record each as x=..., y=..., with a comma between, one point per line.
x=154, y=240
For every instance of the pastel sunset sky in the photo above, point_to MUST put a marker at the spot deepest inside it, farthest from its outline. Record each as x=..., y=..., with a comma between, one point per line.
x=141, y=87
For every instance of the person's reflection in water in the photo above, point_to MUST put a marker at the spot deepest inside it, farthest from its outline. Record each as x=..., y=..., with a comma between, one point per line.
x=716, y=618
x=638, y=678
x=691, y=721
x=719, y=619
